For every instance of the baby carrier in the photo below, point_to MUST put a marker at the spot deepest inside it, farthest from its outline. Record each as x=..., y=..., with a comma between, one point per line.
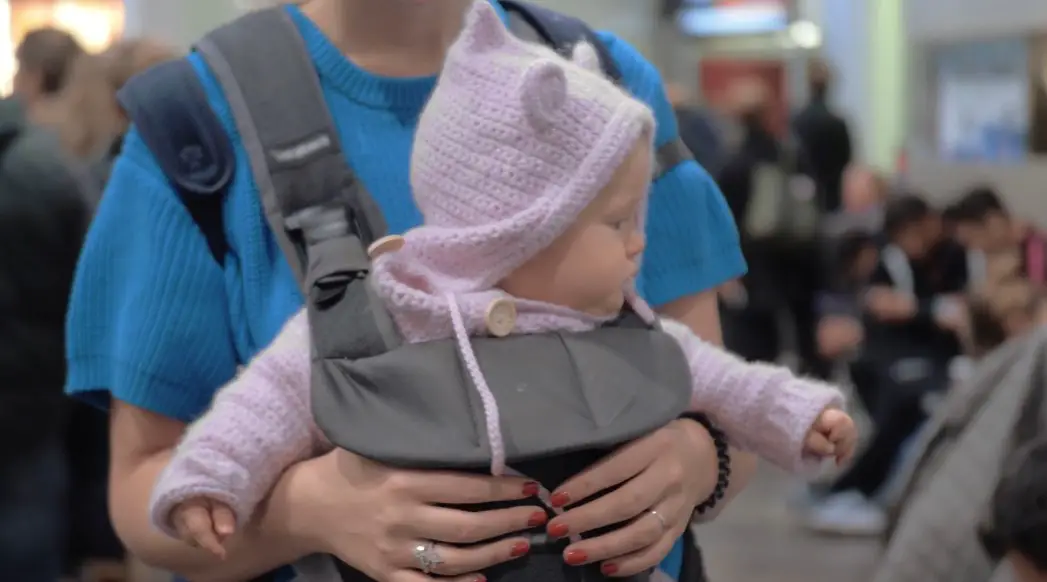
x=403, y=405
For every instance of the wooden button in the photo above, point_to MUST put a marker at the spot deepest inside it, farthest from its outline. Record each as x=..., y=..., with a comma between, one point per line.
x=386, y=244
x=501, y=317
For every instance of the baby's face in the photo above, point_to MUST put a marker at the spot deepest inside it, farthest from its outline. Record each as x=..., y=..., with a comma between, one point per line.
x=590, y=266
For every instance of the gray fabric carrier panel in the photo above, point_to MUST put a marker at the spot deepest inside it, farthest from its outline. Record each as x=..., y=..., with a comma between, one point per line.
x=557, y=393
x=265, y=71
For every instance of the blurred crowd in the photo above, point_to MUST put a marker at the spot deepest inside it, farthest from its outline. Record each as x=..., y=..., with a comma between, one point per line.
x=61, y=131
x=850, y=272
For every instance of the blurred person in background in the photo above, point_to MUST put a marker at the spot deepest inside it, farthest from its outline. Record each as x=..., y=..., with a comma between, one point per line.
x=1017, y=529
x=44, y=58
x=824, y=138
x=751, y=305
x=43, y=217
x=784, y=270
x=984, y=223
x=90, y=125
x=700, y=131
x=86, y=115
x=911, y=325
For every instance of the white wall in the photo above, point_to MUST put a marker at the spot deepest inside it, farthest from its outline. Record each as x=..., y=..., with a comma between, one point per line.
x=936, y=20
x=178, y=22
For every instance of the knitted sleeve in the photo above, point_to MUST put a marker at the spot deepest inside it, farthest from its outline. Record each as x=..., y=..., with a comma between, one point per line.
x=148, y=319
x=259, y=424
x=762, y=408
x=692, y=241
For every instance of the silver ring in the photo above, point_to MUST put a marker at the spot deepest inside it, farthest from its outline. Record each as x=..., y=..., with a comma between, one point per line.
x=661, y=520
x=427, y=556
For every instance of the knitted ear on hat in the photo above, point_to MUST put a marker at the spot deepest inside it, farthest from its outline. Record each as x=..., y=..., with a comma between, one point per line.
x=543, y=93
x=584, y=55
x=483, y=28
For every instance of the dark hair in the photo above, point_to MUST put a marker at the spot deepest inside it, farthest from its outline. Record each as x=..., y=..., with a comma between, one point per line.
x=903, y=212
x=819, y=76
x=978, y=204
x=51, y=52
x=1019, y=506
x=851, y=246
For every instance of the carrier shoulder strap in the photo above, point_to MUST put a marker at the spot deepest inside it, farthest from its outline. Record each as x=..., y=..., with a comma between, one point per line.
x=562, y=32
x=169, y=108
x=307, y=189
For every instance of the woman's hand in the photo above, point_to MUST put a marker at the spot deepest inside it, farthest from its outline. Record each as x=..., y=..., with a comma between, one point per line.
x=662, y=477
x=373, y=517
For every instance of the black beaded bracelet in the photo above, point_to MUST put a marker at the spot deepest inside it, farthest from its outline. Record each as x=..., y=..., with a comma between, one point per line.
x=723, y=458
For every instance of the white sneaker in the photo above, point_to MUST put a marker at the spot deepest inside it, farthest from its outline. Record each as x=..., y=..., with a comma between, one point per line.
x=849, y=514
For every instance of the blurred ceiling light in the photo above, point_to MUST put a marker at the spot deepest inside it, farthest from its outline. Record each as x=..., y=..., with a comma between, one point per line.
x=805, y=34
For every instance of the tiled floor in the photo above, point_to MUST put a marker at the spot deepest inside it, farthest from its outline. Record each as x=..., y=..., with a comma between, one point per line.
x=757, y=540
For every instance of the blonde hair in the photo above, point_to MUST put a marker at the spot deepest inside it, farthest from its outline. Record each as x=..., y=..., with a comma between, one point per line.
x=85, y=114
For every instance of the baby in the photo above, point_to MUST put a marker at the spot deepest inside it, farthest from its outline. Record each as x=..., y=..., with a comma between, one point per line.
x=532, y=174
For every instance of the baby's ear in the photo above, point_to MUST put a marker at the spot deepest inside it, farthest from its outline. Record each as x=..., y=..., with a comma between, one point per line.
x=483, y=28
x=584, y=55
x=543, y=92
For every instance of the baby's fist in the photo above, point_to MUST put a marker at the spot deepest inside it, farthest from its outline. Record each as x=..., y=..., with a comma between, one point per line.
x=204, y=523
x=833, y=435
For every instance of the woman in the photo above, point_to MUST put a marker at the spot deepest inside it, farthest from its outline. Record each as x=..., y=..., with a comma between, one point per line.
x=156, y=328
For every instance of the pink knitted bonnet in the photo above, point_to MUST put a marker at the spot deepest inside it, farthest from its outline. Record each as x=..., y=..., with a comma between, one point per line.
x=514, y=143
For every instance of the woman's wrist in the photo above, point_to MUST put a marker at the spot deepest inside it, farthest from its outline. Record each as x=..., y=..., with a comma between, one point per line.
x=713, y=443
x=287, y=515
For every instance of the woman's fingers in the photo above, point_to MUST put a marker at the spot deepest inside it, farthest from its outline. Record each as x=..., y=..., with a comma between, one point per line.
x=415, y=576
x=640, y=561
x=456, y=560
x=642, y=532
x=628, y=501
x=455, y=526
x=612, y=470
x=462, y=488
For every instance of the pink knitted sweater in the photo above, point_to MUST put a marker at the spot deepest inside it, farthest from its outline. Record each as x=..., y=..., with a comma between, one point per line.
x=261, y=423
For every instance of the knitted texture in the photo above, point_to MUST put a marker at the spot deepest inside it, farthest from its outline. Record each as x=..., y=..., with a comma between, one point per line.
x=514, y=143
x=261, y=422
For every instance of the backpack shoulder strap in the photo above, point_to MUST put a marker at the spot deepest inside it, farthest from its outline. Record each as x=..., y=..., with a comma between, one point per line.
x=168, y=106
x=306, y=186
x=558, y=31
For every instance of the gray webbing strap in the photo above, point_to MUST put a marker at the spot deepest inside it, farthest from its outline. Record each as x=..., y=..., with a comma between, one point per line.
x=669, y=156
x=262, y=64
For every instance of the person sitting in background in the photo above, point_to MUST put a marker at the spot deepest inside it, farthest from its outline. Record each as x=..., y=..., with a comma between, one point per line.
x=910, y=318
x=985, y=224
x=1018, y=529
x=1004, y=310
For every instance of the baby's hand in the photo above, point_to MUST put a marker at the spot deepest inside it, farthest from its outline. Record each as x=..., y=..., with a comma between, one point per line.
x=833, y=435
x=204, y=523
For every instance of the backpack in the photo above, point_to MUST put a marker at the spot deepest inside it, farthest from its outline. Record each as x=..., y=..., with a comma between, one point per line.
x=783, y=204
x=319, y=212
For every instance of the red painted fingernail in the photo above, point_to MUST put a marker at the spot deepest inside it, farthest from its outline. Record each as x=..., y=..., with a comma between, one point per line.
x=609, y=569
x=575, y=557
x=519, y=549
x=531, y=488
x=557, y=530
x=537, y=518
x=559, y=499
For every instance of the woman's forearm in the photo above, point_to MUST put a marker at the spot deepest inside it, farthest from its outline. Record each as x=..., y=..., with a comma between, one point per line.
x=263, y=545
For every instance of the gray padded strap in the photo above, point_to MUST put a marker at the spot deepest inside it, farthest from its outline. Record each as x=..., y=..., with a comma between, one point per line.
x=297, y=163
x=316, y=568
x=669, y=156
